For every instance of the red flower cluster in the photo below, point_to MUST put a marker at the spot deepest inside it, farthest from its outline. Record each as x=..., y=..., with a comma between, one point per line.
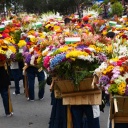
x=2, y=57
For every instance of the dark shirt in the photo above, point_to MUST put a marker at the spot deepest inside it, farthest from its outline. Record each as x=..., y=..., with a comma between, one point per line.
x=4, y=78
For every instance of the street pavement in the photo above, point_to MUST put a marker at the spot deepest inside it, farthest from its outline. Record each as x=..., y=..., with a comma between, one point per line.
x=28, y=114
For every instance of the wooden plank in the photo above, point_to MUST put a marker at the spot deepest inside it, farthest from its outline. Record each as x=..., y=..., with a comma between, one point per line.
x=66, y=101
x=81, y=93
x=115, y=105
x=125, y=106
x=113, y=123
x=84, y=99
x=69, y=85
x=81, y=100
x=61, y=86
x=91, y=100
x=69, y=118
x=121, y=119
x=72, y=100
x=78, y=100
x=98, y=98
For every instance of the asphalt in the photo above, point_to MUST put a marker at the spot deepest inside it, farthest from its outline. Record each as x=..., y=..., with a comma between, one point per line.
x=34, y=114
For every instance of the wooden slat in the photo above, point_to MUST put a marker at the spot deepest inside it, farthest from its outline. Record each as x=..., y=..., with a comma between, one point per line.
x=82, y=100
x=78, y=100
x=121, y=119
x=66, y=101
x=98, y=98
x=69, y=86
x=81, y=93
x=115, y=105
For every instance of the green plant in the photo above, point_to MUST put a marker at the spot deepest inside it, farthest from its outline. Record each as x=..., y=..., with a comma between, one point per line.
x=117, y=8
x=97, y=8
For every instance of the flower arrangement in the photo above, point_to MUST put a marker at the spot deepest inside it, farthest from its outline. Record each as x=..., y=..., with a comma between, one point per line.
x=113, y=76
x=72, y=61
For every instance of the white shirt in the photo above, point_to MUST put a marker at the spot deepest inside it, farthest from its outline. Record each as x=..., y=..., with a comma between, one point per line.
x=96, y=111
x=14, y=65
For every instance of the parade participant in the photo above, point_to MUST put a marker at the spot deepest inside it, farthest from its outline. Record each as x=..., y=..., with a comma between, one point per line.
x=86, y=24
x=15, y=71
x=32, y=72
x=4, y=90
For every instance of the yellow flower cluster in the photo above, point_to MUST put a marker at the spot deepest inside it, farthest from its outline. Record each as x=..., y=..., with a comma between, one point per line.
x=2, y=51
x=98, y=49
x=39, y=59
x=21, y=43
x=109, y=49
x=108, y=69
x=63, y=49
x=12, y=48
x=75, y=54
x=121, y=88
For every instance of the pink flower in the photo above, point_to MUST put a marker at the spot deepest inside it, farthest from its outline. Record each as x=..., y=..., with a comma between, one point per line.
x=46, y=61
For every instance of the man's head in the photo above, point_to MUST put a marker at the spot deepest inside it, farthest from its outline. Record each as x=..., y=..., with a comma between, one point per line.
x=67, y=21
x=111, y=35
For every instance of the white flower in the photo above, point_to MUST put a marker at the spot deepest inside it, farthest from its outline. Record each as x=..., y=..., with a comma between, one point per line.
x=9, y=53
x=126, y=75
x=89, y=58
x=101, y=68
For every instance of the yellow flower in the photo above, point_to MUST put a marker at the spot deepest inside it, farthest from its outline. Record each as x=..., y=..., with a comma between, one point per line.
x=21, y=43
x=104, y=32
x=2, y=52
x=114, y=59
x=122, y=69
x=108, y=69
x=75, y=54
x=12, y=48
x=39, y=59
x=63, y=49
x=109, y=49
x=121, y=88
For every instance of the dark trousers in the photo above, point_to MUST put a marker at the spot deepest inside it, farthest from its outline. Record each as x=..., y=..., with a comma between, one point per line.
x=79, y=121
x=58, y=118
x=16, y=76
x=5, y=98
x=32, y=72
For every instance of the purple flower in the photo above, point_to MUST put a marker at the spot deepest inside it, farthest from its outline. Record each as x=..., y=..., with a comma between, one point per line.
x=81, y=46
x=13, y=56
x=101, y=57
x=106, y=88
x=27, y=57
x=104, y=80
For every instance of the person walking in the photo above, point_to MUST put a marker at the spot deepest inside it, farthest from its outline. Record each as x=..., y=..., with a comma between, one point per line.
x=32, y=72
x=15, y=71
x=4, y=89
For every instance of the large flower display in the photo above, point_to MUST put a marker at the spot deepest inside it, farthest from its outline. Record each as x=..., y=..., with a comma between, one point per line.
x=74, y=61
x=113, y=76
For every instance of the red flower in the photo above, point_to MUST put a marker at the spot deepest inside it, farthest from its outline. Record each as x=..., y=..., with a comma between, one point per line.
x=2, y=57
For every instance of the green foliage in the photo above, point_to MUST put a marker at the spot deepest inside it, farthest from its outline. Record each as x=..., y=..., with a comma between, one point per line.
x=113, y=89
x=97, y=8
x=75, y=70
x=117, y=8
x=19, y=57
x=106, y=1
x=16, y=36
